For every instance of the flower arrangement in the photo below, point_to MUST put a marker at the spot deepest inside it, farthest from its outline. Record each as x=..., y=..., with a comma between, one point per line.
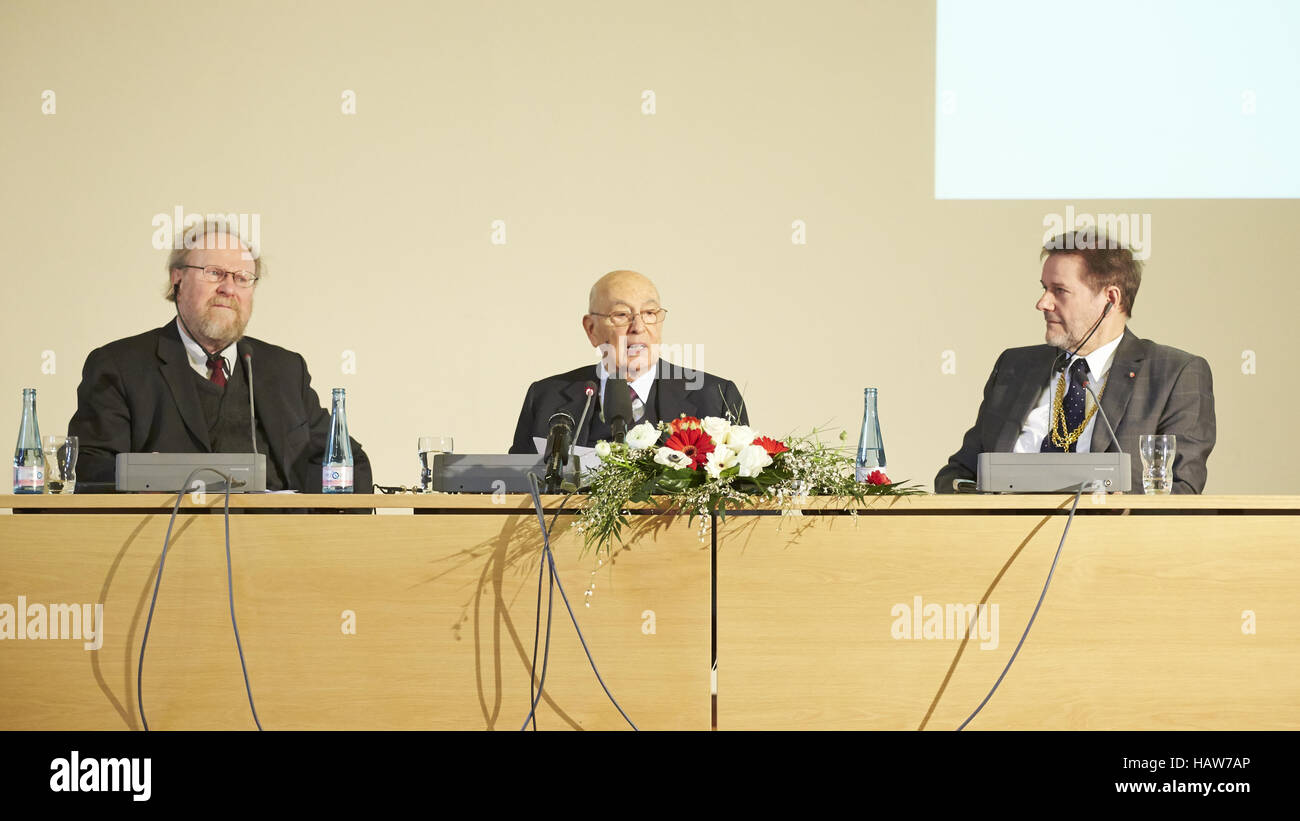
x=710, y=464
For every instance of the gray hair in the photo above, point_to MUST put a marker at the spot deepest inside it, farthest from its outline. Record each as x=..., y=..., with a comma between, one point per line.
x=192, y=236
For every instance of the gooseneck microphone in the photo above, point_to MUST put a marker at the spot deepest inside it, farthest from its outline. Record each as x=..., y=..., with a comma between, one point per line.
x=558, y=443
x=1065, y=356
x=618, y=407
x=589, y=388
x=252, y=416
x=1104, y=417
x=1087, y=385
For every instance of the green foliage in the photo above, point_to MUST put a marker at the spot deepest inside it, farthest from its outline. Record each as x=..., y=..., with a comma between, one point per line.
x=811, y=467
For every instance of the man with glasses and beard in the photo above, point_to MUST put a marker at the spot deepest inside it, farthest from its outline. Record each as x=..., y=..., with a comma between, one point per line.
x=183, y=388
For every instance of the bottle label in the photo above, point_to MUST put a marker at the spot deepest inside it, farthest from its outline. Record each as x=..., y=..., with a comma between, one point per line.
x=29, y=478
x=336, y=477
x=863, y=473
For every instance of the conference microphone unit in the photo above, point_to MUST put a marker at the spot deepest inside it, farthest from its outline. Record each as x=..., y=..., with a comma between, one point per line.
x=167, y=472
x=618, y=407
x=558, y=443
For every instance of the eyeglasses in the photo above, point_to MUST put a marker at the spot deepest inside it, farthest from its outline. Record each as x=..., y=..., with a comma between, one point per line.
x=214, y=273
x=622, y=318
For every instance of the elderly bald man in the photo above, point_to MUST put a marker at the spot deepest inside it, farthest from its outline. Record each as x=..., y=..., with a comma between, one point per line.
x=624, y=322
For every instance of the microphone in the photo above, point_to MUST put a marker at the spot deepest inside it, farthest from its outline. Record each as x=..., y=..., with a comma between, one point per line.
x=1102, y=411
x=589, y=388
x=252, y=417
x=558, y=442
x=618, y=407
x=1087, y=383
x=1058, y=364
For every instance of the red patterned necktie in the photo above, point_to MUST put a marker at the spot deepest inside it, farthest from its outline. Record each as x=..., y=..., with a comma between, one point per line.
x=217, y=369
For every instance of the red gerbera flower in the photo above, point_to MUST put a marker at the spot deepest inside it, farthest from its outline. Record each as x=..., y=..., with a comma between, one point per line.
x=772, y=446
x=693, y=442
x=877, y=477
x=682, y=423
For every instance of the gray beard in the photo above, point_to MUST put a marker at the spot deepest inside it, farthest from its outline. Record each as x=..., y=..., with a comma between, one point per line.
x=224, y=332
x=1063, y=340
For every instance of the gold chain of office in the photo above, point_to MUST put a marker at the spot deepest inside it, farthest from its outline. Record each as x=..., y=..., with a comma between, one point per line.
x=1065, y=440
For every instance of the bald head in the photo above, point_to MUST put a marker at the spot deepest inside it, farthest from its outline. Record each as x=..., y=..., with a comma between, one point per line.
x=616, y=324
x=620, y=286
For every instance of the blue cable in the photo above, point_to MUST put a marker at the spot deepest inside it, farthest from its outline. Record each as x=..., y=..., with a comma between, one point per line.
x=139, y=676
x=533, y=488
x=534, y=694
x=1041, y=596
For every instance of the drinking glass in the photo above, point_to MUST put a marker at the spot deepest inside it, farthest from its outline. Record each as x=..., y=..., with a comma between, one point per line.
x=428, y=447
x=60, y=463
x=1157, y=451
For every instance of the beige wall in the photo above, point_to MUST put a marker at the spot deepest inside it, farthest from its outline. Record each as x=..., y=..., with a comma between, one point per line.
x=376, y=226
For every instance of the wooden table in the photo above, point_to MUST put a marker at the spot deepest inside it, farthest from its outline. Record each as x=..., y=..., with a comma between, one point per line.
x=1164, y=612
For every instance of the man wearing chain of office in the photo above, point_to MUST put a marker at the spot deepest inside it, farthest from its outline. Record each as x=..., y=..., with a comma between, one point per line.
x=1035, y=400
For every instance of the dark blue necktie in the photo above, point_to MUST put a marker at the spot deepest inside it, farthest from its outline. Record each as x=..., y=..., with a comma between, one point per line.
x=1073, y=406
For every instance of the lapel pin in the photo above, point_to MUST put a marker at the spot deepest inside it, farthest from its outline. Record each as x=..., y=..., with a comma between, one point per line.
x=1131, y=374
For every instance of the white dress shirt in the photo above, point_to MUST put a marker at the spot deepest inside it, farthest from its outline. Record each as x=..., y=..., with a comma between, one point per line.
x=1037, y=423
x=199, y=357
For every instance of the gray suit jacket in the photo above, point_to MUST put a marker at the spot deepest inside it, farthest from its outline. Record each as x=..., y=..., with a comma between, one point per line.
x=1151, y=388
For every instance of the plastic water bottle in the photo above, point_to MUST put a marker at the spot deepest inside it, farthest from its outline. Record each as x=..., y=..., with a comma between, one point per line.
x=871, y=447
x=29, y=462
x=336, y=472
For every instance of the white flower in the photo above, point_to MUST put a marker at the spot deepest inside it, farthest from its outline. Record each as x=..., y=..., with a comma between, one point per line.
x=739, y=437
x=602, y=449
x=716, y=428
x=752, y=460
x=718, y=460
x=642, y=436
x=671, y=458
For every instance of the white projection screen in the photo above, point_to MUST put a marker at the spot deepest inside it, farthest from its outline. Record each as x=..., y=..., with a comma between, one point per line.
x=1117, y=99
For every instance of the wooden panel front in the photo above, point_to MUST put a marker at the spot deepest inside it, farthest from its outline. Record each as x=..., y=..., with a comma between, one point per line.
x=1145, y=625
x=444, y=614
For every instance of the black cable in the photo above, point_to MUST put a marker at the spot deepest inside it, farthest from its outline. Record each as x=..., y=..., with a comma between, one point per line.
x=1034, y=615
x=537, y=619
x=533, y=486
x=139, y=675
x=535, y=692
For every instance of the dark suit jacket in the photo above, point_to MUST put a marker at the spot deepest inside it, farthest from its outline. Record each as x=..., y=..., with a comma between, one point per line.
x=677, y=391
x=138, y=395
x=1170, y=391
